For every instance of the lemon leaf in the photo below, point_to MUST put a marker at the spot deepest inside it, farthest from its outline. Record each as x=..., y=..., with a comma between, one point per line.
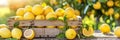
x=60, y=35
x=16, y=24
x=11, y=39
x=51, y=19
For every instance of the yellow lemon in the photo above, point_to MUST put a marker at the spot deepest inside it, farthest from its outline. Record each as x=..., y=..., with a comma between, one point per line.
x=88, y=32
x=48, y=9
x=117, y=31
x=117, y=3
x=70, y=34
x=37, y=9
x=18, y=17
x=29, y=33
x=77, y=12
x=69, y=12
x=28, y=16
x=59, y=12
x=28, y=8
x=61, y=18
x=110, y=11
x=40, y=17
x=110, y=3
x=20, y=12
x=16, y=33
x=3, y=26
x=44, y=4
x=105, y=28
x=5, y=33
x=50, y=27
x=51, y=15
x=97, y=5
x=116, y=16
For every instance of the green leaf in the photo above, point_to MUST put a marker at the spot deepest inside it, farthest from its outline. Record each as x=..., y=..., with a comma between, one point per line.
x=103, y=1
x=60, y=35
x=11, y=39
x=51, y=19
x=16, y=24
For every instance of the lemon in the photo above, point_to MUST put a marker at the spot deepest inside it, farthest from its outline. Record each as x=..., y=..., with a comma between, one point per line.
x=3, y=26
x=60, y=27
x=28, y=16
x=97, y=5
x=77, y=12
x=110, y=3
x=50, y=27
x=70, y=34
x=117, y=3
x=40, y=17
x=19, y=18
x=110, y=11
x=44, y=4
x=5, y=33
x=51, y=15
x=105, y=28
x=61, y=18
x=69, y=12
x=28, y=8
x=20, y=12
x=16, y=33
x=48, y=9
x=116, y=16
x=59, y=12
x=29, y=33
x=74, y=17
x=37, y=9
x=117, y=31
x=88, y=32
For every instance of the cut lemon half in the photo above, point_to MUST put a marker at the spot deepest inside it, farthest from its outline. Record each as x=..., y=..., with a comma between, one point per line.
x=29, y=34
x=88, y=32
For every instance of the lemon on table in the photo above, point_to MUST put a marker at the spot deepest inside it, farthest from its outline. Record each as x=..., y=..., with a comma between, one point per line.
x=110, y=3
x=110, y=11
x=48, y=9
x=28, y=8
x=88, y=32
x=117, y=31
x=29, y=33
x=5, y=33
x=105, y=28
x=50, y=27
x=19, y=18
x=40, y=17
x=20, y=12
x=3, y=26
x=77, y=12
x=16, y=33
x=51, y=15
x=116, y=16
x=97, y=5
x=28, y=16
x=69, y=12
x=70, y=34
x=59, y=12
x=37, y=9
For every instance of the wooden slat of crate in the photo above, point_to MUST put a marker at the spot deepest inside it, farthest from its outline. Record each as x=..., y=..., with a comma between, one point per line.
x=55, y=23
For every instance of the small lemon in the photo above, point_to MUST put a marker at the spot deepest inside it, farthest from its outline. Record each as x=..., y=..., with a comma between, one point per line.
x=110, y=11
x=110, y=3
x=28, y=16
x=51, y=15
x=88, y=32
x=116, y=16
x=20, y=12
x=18, y=17
x=117, y=31
x=44, y=4
x=105, y=28
x=59, y=12
x=48, y=9
x=77, y=12
x=5, y=33
x=70, y=34
x=37, y=9
x=117, y=3
x=16, y=33
x=28, y=8
x=40, y=17
x=29, y=33
x=69, y=12
x=3, y=26
x=97, y=5
x=50, y=27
